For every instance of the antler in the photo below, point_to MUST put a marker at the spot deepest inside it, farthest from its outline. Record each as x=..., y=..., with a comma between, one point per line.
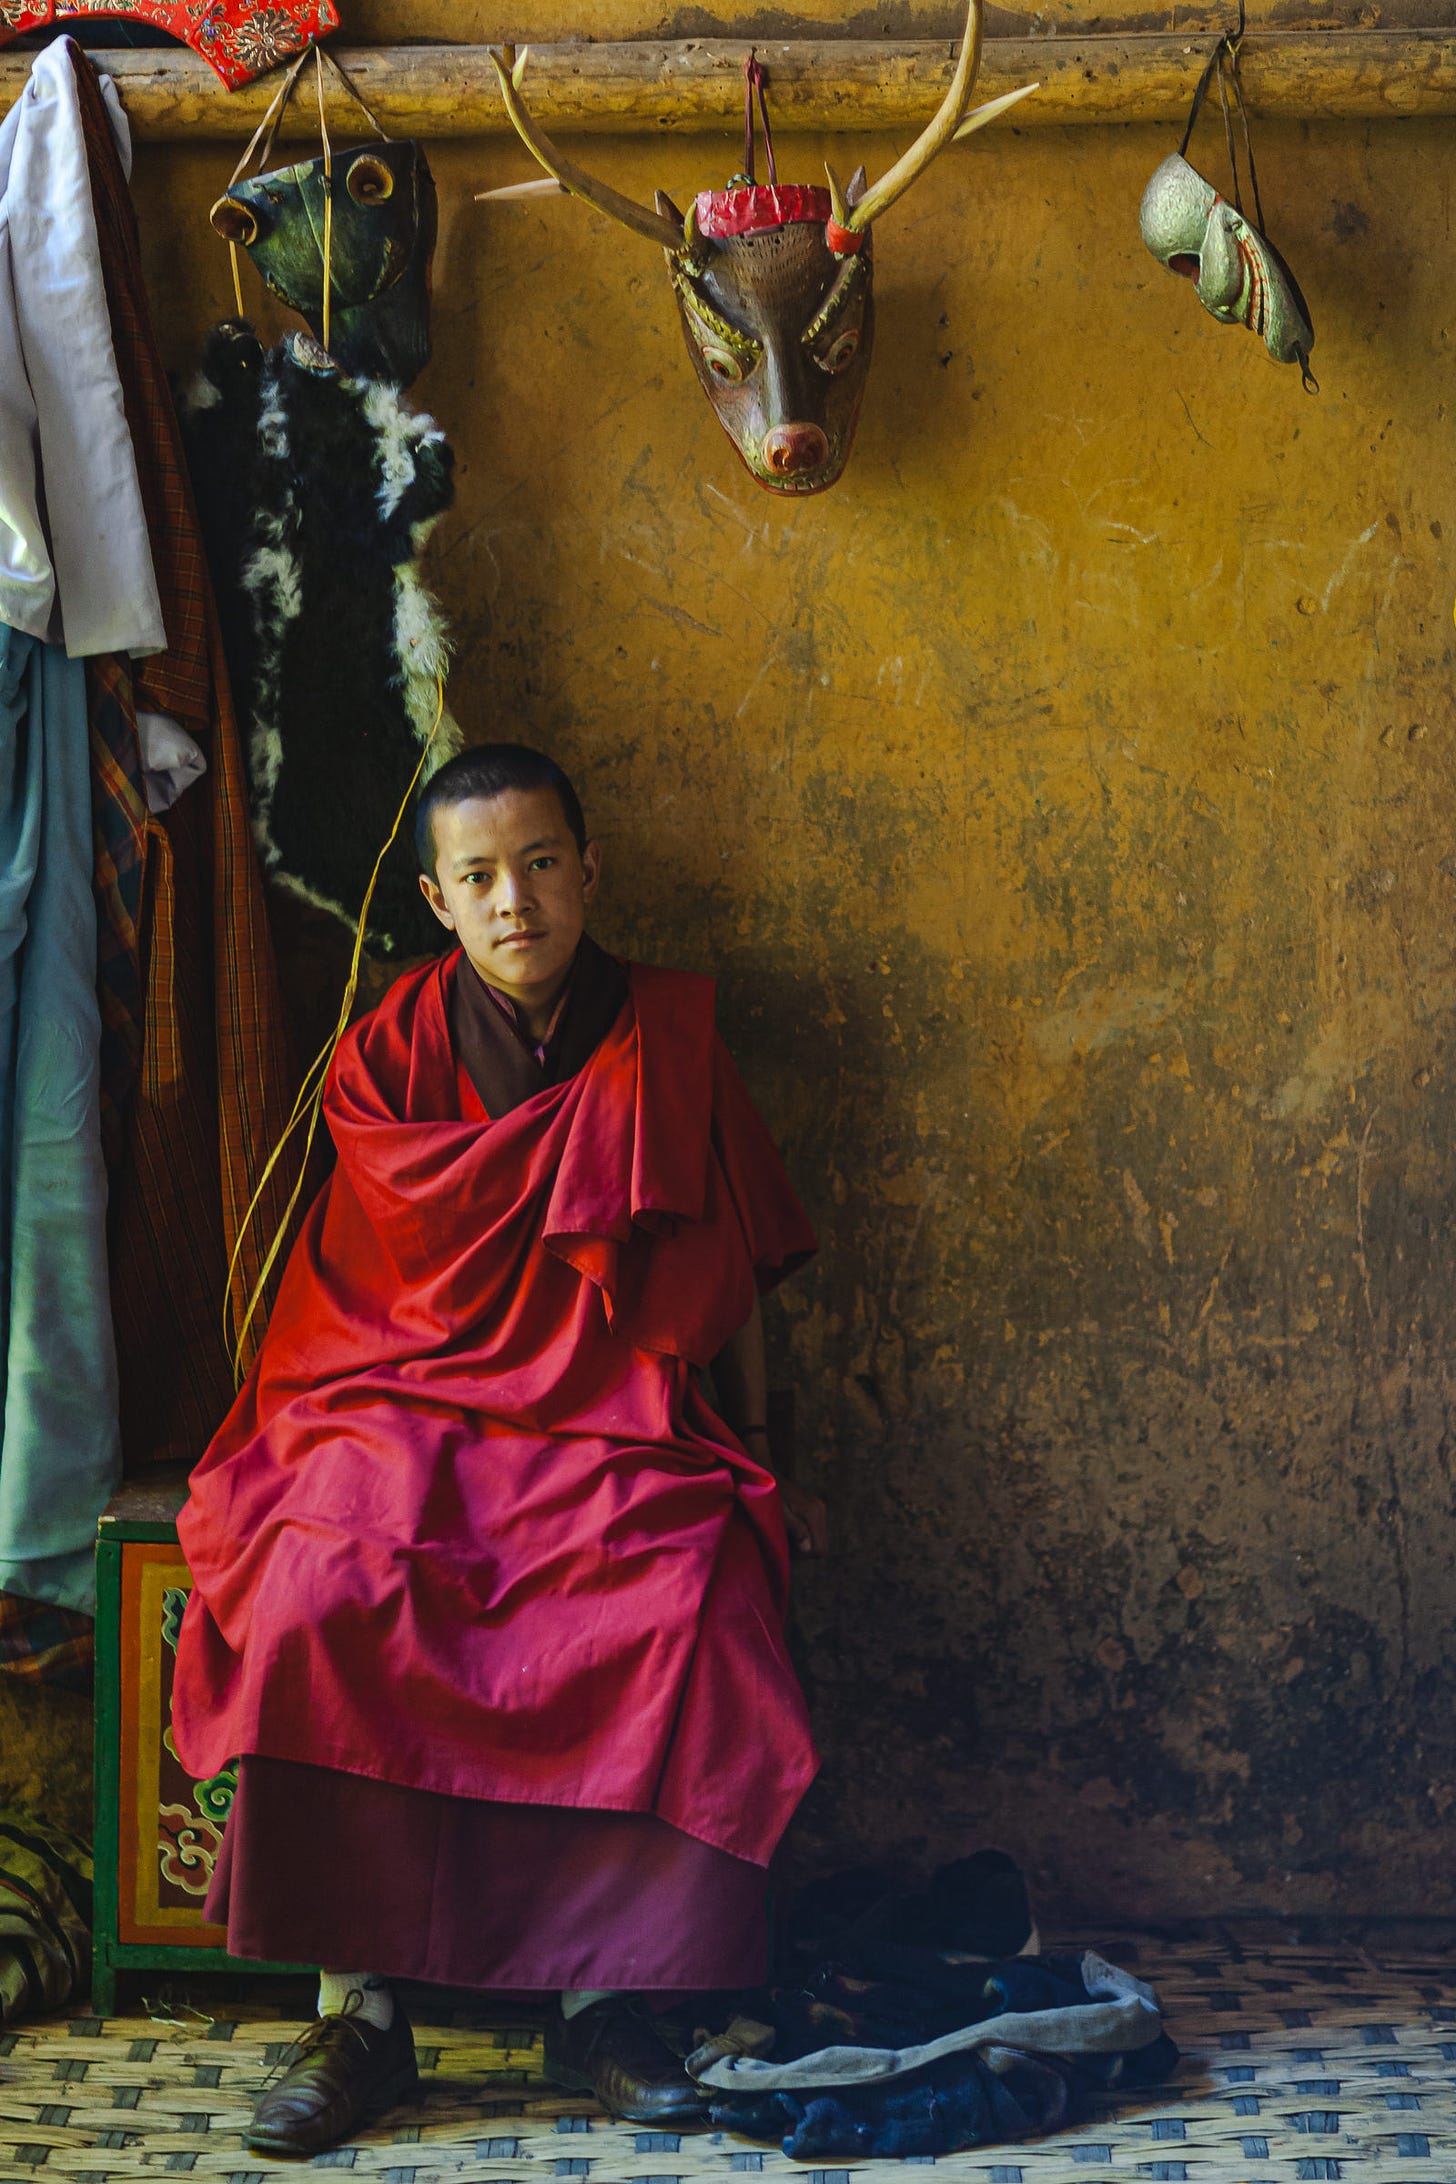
x=980, y=115
x=948, y=123
x=576, y=180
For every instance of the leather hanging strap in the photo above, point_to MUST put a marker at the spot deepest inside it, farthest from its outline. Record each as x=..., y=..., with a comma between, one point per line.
x=1223, y=63
x=755, y=77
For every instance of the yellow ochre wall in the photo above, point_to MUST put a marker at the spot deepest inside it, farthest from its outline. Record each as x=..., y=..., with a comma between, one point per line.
x=1065, y=805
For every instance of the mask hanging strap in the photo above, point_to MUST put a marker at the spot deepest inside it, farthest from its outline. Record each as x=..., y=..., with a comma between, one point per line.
x=1243, y=113
x=748, y=67
x=269, y=126
x=328, y=199
x=760, y=81
x=355, y=93
x=1223, y=62
x=1228, y=126
x=263, y=135
x=1198, y=97
x=755, y=76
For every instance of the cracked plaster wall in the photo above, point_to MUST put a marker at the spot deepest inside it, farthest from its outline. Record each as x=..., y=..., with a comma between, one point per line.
x=1066, y=805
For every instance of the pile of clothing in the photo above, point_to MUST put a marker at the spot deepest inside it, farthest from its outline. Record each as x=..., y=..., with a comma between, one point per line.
x=919, y=2022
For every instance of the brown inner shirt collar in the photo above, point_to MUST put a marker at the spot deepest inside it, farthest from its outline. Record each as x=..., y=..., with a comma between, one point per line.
x=504, y=1063
x=515, y=1016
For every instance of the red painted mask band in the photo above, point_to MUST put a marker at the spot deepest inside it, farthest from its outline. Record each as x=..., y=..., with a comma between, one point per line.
x=756, y=207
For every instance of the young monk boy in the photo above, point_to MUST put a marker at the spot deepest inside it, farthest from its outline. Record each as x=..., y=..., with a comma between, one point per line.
x=489, y=1592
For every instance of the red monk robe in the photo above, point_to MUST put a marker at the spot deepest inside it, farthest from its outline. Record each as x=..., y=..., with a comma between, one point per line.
x=473, y=1554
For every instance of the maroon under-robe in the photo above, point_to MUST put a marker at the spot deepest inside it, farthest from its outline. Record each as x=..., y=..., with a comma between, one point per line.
x=487, y=1597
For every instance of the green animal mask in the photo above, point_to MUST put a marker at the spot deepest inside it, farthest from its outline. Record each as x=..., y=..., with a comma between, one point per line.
x=345, y=240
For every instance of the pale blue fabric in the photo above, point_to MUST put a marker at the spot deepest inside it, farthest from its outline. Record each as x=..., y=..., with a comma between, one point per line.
x=60, y=1445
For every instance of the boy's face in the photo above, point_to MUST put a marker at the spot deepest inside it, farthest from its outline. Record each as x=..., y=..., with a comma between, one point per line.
x=511, y=883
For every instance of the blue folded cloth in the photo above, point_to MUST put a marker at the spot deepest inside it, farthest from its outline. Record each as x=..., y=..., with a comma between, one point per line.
x=899, y=2046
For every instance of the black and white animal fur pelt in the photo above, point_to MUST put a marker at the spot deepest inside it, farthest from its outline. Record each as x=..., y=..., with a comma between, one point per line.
x=317, y=492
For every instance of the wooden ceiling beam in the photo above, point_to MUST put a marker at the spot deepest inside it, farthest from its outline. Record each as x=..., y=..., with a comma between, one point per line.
x=844, y=86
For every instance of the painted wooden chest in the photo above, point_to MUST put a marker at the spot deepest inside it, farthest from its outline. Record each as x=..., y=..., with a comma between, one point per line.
x=158, y=1831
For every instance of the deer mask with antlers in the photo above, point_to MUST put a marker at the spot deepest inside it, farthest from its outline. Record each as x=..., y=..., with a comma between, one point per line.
x=772, y=280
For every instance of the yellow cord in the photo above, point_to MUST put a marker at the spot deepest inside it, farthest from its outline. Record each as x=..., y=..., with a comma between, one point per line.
x=328, y=198
x=328, y=246
x=310, y=1098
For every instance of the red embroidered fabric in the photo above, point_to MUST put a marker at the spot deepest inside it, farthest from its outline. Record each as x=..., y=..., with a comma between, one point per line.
x=761, y=205
x=241, y=38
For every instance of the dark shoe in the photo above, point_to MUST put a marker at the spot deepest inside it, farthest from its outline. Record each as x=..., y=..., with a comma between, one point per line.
x=342, y=2070
x=613, y=2049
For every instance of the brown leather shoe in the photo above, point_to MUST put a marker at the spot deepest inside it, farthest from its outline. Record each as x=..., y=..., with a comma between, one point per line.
x=613, y=2049
x=341, y=2071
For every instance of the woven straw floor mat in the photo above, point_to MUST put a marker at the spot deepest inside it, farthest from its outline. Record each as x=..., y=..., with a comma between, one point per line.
x=1299, y=2062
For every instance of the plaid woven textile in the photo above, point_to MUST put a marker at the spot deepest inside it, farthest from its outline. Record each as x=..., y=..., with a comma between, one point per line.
x=45, y=1916
x=42, y=1644
x=119, y=831
x=211, y=1089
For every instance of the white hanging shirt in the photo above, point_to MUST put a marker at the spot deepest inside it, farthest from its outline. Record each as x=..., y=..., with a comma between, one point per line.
x=75, y=559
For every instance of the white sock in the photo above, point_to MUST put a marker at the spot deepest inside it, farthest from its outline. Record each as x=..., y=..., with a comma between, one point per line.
x=576, y=1999
x=356, y=1994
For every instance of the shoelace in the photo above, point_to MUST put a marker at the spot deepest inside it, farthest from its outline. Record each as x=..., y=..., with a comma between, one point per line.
x=313, y=2034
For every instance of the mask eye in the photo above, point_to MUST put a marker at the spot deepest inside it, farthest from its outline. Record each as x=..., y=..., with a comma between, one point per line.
x=722, y=363
x=840, y=352
x=235, y=223
x=370, y=181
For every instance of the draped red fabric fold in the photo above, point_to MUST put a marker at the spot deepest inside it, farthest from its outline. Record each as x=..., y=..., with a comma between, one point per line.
x=472, y=1526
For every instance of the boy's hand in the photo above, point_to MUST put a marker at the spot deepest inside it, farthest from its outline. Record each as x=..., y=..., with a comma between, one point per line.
x=806, y=1518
